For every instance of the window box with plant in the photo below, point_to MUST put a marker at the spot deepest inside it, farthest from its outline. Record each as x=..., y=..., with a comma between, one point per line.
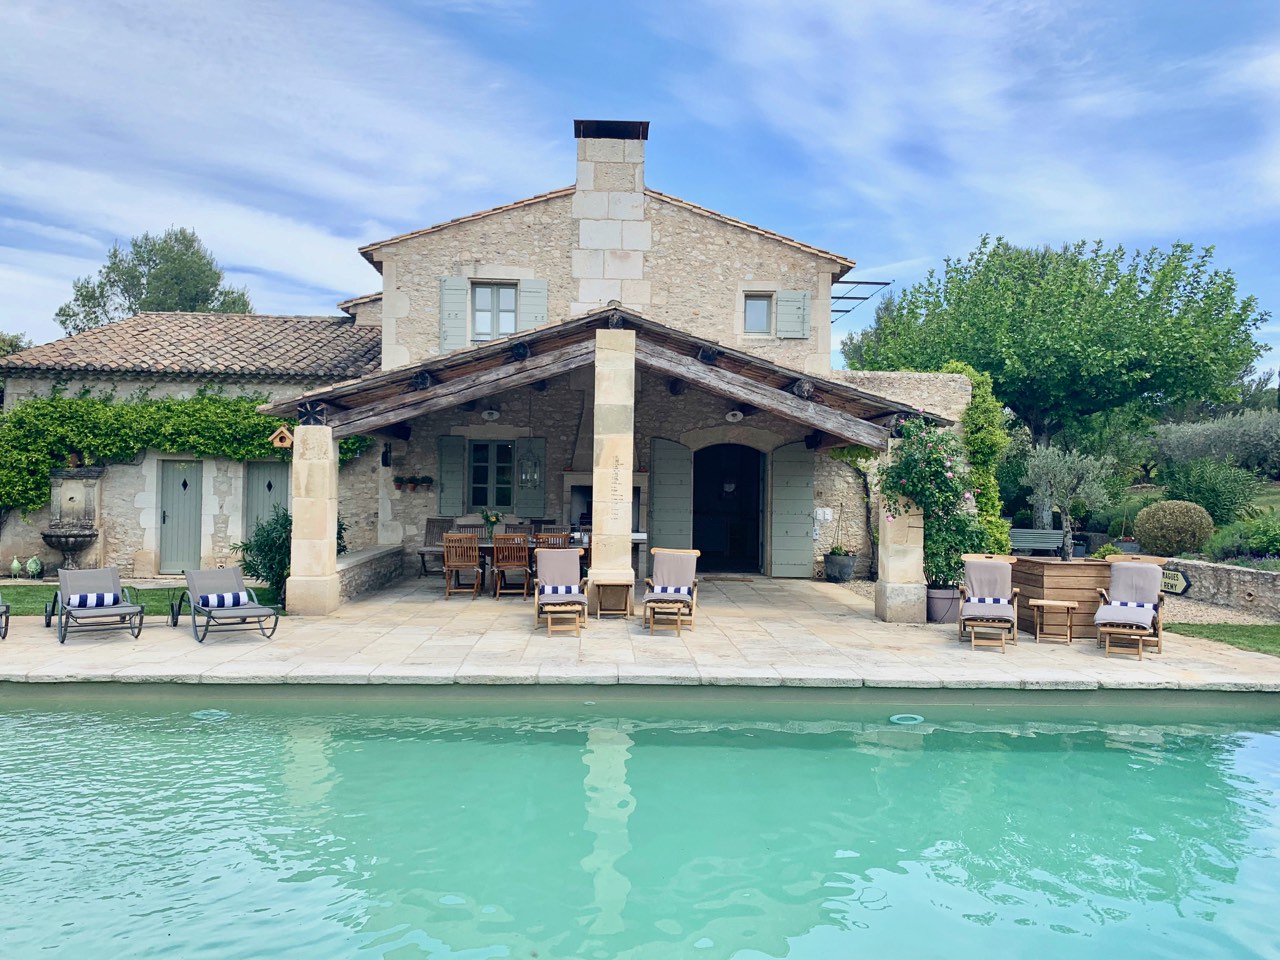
x=927, y=468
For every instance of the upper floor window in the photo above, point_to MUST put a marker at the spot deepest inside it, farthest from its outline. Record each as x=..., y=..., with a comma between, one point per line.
x=493, y=310
x=757, y=316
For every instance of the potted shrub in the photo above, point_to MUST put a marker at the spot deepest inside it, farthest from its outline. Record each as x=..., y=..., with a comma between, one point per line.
x=411, y=483
x=425, y=482
x=398, y=481
x=838, y=561
x=927, y=468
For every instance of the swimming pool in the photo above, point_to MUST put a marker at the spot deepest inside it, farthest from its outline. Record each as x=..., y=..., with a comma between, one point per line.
x=233, y=823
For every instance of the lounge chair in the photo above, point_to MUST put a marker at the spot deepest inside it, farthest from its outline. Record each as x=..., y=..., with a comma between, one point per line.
x=673, y=589
x=219, y=601
x=93, y=600
x=511, y=555
x=560, y=592
x=4, y=619
x=462, y=555
x=988, y=601
x=1132, y=613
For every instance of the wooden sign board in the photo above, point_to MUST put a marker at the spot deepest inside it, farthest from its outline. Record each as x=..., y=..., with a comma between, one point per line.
x=282, y=438
x=1174, y=581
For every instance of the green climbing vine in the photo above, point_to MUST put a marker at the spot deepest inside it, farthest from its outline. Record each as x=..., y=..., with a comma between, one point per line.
x=45, y=433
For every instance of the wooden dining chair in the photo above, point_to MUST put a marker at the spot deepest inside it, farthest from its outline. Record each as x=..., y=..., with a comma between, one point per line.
x=552, y=541
x=511, y=555
x=461, y=555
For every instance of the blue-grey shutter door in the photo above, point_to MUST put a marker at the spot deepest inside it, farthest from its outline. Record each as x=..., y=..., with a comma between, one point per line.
x=266, y=484
x=670, y=495
x=453, y=476
x=454, y=294
x=180, y=498
x=793, y=314
x=531, y=501
x=791, y=514
x=532, y=309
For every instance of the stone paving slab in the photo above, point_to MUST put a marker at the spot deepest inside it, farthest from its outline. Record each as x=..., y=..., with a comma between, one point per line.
x=753, y=632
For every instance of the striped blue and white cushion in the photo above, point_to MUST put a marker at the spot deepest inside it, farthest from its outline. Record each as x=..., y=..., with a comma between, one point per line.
x=83, y=601
x=679, y=591
x=240, y=599
x=988, y=599
x=1134, y=603
x=548, y=589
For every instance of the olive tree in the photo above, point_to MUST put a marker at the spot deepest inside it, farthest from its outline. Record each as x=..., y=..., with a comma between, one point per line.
x=1058, y=478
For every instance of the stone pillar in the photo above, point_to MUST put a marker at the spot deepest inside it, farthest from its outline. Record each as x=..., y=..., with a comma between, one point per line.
x=613, y=446
x=900, y=589
x=312, y=589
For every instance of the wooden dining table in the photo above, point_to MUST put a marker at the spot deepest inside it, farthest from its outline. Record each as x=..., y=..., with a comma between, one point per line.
x=639, y=541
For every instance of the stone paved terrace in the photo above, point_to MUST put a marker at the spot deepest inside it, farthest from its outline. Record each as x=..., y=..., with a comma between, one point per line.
x=750, y=631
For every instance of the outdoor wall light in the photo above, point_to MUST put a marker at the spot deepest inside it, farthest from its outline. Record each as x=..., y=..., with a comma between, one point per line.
x=529, y=471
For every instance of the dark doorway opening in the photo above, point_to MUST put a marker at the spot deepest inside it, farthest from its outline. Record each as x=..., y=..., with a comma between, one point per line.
x=727, y=488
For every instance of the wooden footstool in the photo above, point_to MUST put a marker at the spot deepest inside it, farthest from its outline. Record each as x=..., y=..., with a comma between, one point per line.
x=1040, y=606
x=564, y=618
x=677, y=613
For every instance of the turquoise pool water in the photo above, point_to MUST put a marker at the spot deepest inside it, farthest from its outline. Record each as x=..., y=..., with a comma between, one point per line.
x=223, y=825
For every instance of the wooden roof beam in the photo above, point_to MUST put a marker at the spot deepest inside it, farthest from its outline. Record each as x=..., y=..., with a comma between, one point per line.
x=465, y=388
x=734, y=386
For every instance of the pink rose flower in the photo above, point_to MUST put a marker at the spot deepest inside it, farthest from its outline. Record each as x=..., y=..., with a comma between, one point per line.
x=949, y=474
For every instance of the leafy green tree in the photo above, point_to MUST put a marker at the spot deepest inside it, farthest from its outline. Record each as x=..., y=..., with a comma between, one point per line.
x=171, y=272
x=13, y=343
x=985, y=440
x=1072, y=332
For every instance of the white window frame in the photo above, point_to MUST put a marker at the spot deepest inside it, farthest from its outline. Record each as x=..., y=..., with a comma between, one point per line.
x=770, y=299
x=495, y=286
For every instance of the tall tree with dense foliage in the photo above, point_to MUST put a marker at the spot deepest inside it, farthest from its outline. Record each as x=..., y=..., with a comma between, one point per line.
x=13, y=342
x=171, y=272
x=1071, y=332
x=985, y=440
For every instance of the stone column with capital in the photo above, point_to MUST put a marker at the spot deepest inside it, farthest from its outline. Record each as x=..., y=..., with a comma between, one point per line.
x=613, y=458
x=313, y=588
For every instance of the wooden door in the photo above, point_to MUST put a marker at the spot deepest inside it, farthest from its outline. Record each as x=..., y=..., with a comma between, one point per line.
x=180, y=500
x=670, y=495
x=266, y=486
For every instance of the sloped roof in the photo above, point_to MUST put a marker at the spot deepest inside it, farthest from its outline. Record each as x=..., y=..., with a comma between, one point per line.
x=348, y=306
x=368, y=250
x=220, y=345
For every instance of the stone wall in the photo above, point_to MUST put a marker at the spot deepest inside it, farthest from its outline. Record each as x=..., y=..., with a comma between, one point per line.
x=364, y=570
x=19, y=388
x=1256, y=592
x=946, y=394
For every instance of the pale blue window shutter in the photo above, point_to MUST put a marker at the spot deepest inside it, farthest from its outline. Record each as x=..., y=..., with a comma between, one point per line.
x=533, y=305
x=670, y=495
x=793, y=314
x=791, y=517
x=453, y=476
x=455, y=292
x=531, y=501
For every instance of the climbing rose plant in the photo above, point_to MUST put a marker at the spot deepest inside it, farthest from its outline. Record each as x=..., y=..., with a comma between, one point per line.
x=927, y=467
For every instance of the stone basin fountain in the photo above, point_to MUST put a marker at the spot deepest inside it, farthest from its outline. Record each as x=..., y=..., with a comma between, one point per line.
x=71, y=542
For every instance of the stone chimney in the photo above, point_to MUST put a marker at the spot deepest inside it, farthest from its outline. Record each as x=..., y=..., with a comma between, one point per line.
x=609, y=210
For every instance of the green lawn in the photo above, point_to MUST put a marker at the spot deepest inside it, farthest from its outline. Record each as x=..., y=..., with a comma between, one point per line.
x=1261, y=639
x=28, y=599
x=1269, y=497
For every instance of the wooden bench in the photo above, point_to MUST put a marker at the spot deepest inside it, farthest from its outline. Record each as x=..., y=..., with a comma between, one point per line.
x=1026, y=539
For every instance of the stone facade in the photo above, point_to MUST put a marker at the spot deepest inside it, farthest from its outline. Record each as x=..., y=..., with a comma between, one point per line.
x=130, y=521
x=365, y=570
x=946, y=394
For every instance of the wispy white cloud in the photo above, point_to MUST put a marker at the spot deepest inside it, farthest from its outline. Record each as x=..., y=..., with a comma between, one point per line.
x=285, y=134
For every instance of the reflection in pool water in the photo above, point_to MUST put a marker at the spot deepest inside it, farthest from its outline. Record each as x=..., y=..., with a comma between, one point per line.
x=291, y=830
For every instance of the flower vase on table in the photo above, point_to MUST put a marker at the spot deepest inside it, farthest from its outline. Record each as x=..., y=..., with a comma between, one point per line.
x=491, y=519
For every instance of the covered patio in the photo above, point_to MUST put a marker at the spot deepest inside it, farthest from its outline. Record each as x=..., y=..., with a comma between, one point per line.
x=609, y=423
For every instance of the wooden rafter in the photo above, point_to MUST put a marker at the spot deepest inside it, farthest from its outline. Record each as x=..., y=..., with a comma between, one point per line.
x=781, y=402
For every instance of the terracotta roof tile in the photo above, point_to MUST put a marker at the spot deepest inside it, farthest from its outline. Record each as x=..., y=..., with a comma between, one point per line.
x=241, y=346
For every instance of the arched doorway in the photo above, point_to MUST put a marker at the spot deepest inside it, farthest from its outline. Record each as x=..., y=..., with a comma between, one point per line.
x=728, y=486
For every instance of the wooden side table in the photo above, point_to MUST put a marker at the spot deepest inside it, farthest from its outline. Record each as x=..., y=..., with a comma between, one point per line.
x=613, y=598
x=1038, y=608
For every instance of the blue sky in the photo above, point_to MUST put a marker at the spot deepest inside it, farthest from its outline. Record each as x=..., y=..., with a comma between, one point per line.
x=895, y=131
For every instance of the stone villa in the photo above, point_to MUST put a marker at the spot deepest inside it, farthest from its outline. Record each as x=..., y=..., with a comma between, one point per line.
x=601, y=353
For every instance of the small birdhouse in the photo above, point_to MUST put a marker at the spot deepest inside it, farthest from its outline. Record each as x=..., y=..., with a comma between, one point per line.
x=282, y=438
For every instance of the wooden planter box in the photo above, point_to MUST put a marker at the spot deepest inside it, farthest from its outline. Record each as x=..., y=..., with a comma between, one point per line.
x=1044, y=578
